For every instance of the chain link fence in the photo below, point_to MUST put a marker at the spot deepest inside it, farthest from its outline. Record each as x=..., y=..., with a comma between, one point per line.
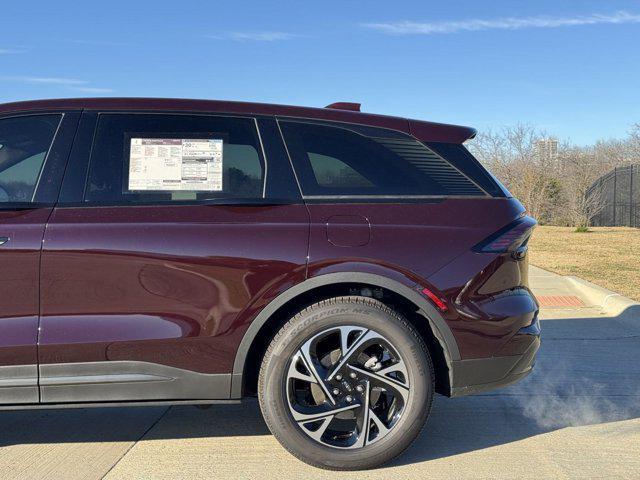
x=621, y=192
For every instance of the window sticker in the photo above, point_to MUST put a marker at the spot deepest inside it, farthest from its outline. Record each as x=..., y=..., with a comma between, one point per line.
x=193, y=164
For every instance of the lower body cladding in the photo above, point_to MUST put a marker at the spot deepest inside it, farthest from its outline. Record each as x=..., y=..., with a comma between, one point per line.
x=114, y=381
x=483, y=374
x=127, y=380
x=19, y=384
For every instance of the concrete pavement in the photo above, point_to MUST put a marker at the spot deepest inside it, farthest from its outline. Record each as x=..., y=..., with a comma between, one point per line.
x=576, y=416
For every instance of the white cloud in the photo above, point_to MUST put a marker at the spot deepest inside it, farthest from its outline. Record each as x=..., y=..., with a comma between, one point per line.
x=101, y=43
x=45, y=80
x=74, y=84
x=507, y=23
x=254, y=36
x=8, y=51
x=94, y=90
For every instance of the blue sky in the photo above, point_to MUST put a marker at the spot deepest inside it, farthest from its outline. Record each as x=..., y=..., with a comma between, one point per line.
x=569, y=67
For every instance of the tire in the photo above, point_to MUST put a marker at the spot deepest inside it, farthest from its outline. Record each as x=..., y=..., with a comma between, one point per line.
x=320, y=371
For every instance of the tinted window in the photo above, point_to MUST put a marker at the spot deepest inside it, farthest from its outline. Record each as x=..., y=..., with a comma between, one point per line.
x=158, y=158
x=24, y=143
x=334, y=173
x=335, y=160
x=463, y=160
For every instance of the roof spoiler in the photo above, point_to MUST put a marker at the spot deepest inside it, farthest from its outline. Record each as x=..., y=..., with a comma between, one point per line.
x=353, y=107
x=440, y=132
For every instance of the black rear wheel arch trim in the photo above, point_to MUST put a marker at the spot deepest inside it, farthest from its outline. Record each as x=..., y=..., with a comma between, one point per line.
x=438, y=325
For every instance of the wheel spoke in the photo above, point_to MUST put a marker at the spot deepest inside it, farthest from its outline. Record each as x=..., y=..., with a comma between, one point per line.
x=382, y=428
x=311, y=367
x=364, y=432
x=360, y=341
x=308, y=417
x=295, y=373
x=385, y=382
x=344, y=338
x=400, y=367
x=317, y=434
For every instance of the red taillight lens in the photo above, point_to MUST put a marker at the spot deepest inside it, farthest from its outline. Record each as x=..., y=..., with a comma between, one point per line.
x=509, y=238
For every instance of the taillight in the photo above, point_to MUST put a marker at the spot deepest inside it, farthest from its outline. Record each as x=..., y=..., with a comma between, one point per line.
x=509, y=238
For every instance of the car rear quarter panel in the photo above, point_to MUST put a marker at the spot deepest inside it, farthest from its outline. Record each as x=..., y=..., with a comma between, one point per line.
x=424, y=244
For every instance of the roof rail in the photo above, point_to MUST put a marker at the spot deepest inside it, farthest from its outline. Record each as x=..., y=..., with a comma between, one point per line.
x=354, y=107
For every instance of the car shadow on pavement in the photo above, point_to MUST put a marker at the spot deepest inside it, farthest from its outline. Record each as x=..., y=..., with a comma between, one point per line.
x=588, y=372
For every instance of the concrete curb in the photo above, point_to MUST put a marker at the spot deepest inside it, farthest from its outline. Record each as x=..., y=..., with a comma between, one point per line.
x=611, y=303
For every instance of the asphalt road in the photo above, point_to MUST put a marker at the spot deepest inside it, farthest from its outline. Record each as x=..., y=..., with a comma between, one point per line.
x=576, y=416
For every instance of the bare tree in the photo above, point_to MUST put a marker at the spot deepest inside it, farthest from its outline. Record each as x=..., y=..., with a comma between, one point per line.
x=634, y=143
x=584, y=197
x=510, y=153
x=562, y=188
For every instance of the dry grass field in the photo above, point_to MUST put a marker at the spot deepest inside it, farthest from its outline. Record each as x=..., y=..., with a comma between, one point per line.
x=606, y=256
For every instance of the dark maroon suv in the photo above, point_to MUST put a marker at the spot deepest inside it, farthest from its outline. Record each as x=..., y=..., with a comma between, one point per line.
x=341, y=266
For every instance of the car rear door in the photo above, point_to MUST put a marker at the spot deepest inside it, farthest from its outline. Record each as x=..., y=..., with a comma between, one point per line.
x=150, y=279
x=33, y=151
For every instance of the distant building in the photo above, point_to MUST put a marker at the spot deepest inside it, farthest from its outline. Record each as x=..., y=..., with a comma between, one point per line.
x=546, y=150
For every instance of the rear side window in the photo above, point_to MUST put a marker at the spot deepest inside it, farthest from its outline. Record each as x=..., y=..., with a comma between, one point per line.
x=24, y=144
x=148, y=158
x=333, y=160
x=458, y=156
x=331, y=172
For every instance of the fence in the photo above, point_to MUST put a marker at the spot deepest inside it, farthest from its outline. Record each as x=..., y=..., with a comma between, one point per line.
x=621, y=191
